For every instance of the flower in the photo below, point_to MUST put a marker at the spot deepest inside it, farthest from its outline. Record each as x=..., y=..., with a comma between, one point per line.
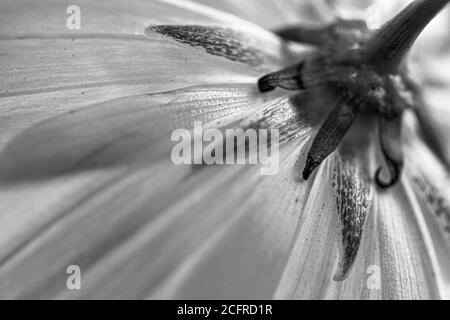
x=86, y=176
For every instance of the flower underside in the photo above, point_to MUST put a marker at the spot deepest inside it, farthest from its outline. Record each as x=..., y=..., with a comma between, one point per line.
x=364, y=69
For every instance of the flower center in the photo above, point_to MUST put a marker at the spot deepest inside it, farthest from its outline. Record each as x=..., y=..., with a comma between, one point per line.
x=366, y=72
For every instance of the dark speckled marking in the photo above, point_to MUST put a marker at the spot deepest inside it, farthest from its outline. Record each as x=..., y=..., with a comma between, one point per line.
x=279, y=115
x=435, y=200
x=215, y=40
x=353, y=202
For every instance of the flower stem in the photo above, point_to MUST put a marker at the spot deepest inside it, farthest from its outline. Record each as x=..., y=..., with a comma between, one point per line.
x=392, y=42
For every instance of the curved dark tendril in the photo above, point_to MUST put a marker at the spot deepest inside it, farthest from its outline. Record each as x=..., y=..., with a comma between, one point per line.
x=391, y=145
x=382, y=52
x=395, y=172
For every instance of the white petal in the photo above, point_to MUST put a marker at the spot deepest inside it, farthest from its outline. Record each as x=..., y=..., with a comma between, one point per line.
x=124, y=132
x=235, y=250
x=407, y=267
x=48, y=69
x=431, y=185
x=150, y=220
x=272, y=14
x=357, y=163
x=329, y=237
x=310, y=267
